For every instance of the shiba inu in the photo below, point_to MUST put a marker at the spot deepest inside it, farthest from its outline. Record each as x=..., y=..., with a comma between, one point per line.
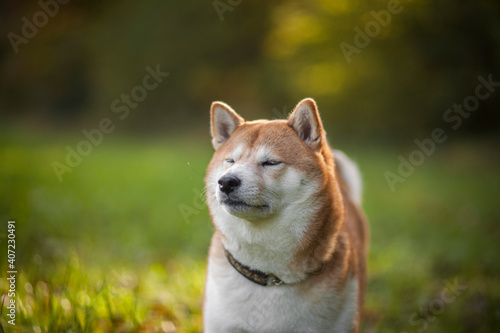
x=290, y=241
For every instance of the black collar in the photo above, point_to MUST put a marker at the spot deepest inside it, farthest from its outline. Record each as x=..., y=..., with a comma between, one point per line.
x=254, y=275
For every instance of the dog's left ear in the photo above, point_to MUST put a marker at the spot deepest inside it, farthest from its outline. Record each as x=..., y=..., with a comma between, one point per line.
x=307, y=124
x=224, y=122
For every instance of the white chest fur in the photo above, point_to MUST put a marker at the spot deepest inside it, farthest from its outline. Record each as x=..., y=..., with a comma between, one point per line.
x=235, y=304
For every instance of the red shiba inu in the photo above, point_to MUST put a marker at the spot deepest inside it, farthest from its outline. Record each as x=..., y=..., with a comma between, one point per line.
x=288, y=252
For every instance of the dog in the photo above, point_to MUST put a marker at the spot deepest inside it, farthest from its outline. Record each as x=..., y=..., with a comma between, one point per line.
x=288, y=253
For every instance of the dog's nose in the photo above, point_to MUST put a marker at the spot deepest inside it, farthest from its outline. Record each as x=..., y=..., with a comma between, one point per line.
x=227, y=184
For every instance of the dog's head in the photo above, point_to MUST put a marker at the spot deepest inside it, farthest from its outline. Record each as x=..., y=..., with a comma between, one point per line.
x=262, y=168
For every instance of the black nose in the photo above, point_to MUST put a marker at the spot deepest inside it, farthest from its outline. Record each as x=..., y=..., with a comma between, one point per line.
x=227, y=184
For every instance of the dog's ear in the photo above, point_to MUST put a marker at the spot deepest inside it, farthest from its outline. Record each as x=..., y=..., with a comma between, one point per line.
x=224, y=122
x=307, y=124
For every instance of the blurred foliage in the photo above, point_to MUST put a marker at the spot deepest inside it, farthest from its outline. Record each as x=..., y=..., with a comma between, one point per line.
x=74, y=297
x=119, y=245
x=262, y=56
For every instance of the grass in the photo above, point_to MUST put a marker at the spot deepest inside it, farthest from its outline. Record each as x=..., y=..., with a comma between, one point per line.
x=120, y=244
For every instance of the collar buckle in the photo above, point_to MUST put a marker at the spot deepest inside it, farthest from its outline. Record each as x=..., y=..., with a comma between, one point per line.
x=273, y=280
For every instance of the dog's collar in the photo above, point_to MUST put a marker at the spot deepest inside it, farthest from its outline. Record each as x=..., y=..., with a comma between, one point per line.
x=259, y=277
x=254, y=275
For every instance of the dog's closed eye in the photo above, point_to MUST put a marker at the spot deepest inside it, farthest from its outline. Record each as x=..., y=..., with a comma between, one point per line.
x=270, y=163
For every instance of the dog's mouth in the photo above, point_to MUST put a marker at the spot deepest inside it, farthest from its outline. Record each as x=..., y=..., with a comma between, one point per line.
x=241, y=204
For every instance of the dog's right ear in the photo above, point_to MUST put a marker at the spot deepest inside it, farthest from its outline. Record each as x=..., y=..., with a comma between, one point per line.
x=224, y=122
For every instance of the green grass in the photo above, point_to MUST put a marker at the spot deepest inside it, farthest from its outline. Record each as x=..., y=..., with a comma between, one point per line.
x=120, y=244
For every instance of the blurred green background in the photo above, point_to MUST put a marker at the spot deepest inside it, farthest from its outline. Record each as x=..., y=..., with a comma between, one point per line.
x=115, y=239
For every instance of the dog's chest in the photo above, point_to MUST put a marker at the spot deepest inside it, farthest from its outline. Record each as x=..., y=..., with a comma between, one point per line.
x=234, y=304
